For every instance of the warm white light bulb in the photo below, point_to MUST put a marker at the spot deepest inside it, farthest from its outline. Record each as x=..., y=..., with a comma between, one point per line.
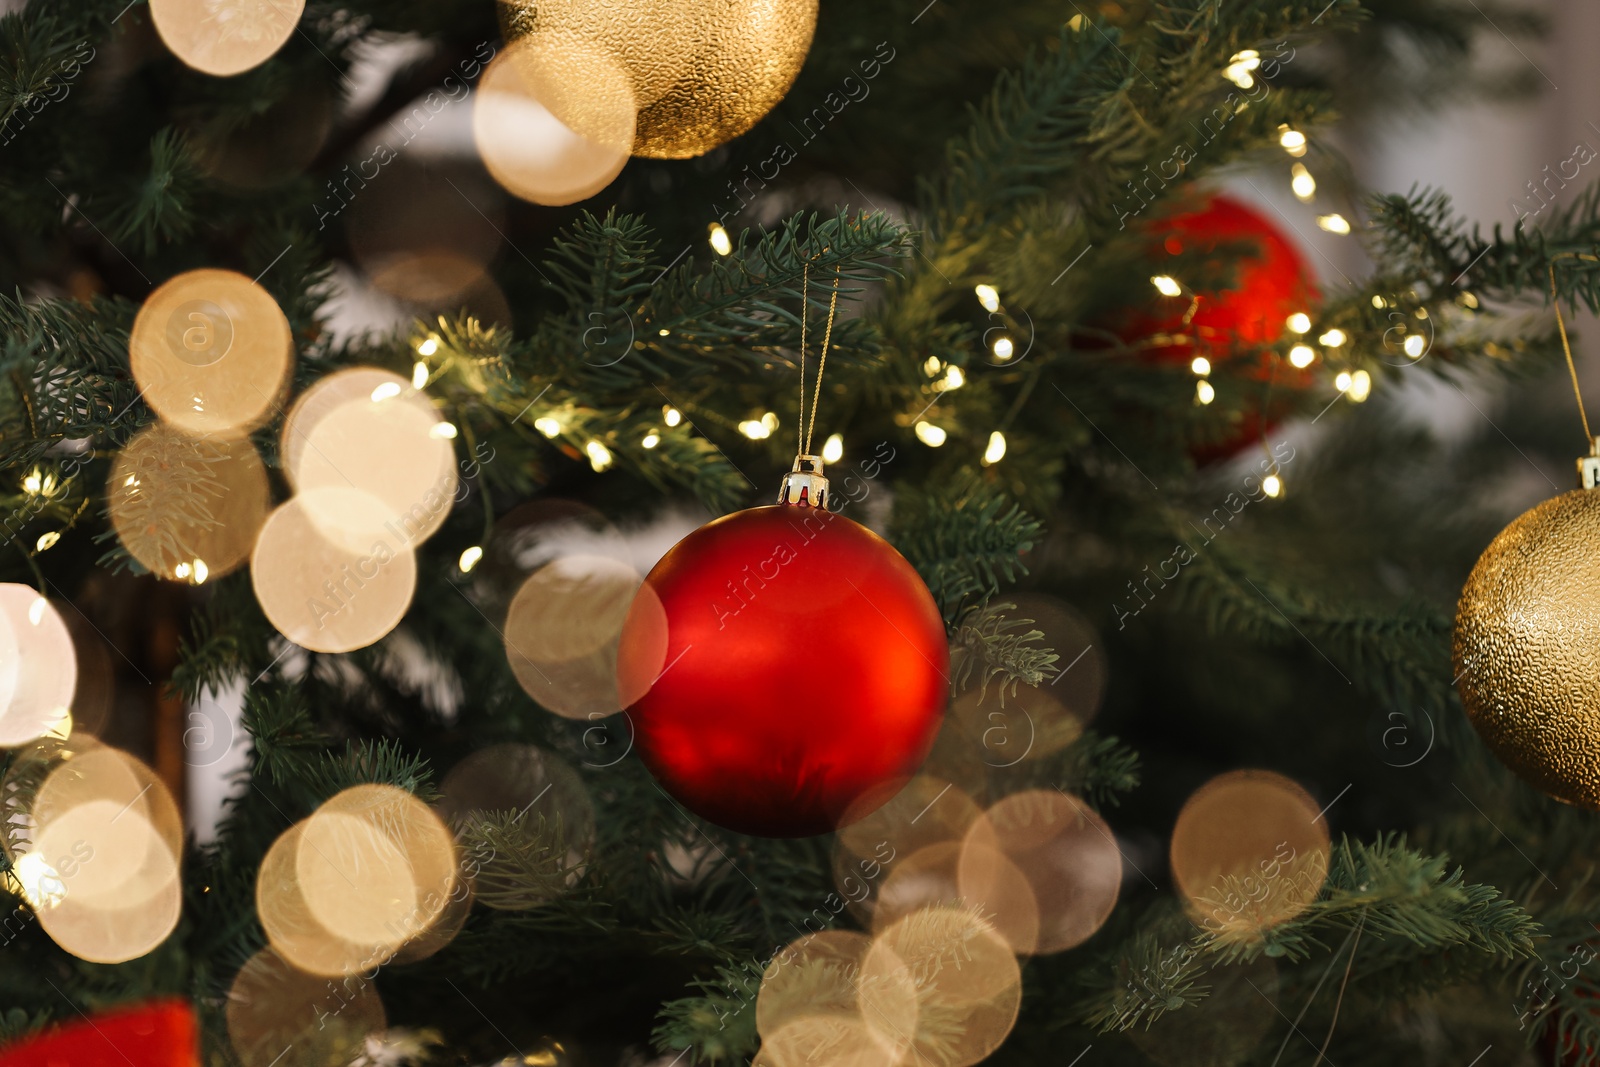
x=442, y=431
x=671, y=415
x=754, y=429
x=1299, y=322
x=1200, y=365
x=1302, y=356
x=930, y=435
x=1272, y=485
x=386, y=391
x=1003, y=348
x=720, y=243
x=1335, y=223
x=1341, y=381
x=1166, y=285
x=651, y=440
x=1303, y=184
x=46, y=540
x=833, y=448
x=988, y=296
x=469, y=559
x=996, y=450
x=547, y=426
x=427, y=348
x=599, y=455
x=419, y=375
x=1415, y=346
x=1360, y=386
x=1203, y=392
x=1333, y=338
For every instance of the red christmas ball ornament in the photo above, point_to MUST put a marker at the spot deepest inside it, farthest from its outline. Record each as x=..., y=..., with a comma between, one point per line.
x=156, y=1034
x=1271, y=281
x=787, y=668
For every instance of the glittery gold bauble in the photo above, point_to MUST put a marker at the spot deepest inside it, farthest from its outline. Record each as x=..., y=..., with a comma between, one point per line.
x=702, y=71
x=1527, y=647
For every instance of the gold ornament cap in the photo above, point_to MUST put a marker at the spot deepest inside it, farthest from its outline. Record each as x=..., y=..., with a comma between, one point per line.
x=1589, y=466
x=804, y=484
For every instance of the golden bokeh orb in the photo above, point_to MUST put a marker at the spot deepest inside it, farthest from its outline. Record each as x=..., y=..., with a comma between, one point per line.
x=319, y=593
x=187, y=508
x=562, y=631
x=370, y=459
x=1063, y=852
x=225, y=37
x=211, y=352
x=104, y=857
x=1250, y=850
x=38, y=666
x=529, y=150
x=967, y=981
x=278, y=1014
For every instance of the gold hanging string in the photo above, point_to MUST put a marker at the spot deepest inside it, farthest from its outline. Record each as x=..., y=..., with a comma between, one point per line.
x=1555, y=300
x=803, y=431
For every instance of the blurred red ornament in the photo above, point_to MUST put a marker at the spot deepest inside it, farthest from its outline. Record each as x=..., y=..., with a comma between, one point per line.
x=1269, y=284
x=154, y=1034
x=793, y=668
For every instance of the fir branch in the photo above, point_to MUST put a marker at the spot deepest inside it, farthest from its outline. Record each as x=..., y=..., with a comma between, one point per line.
x=1420, y=235
x=992, y=637
x=965, y=537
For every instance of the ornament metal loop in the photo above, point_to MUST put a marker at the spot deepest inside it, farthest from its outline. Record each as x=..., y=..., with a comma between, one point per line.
x=805, y=484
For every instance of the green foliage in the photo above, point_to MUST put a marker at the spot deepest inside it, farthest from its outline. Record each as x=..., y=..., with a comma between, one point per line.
x=965, y=538
x=1042, y=187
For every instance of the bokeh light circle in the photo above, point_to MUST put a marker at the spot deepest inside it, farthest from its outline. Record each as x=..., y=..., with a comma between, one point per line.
x=1024, y=722
x=369, y=431
x=1064, y=853
x=107, y=837
x=534, y=796
x=187, y=508
x=965, y=976
x=321, y=594
x=376, y=866
x=819, y=976
x=211, y=351
x=527, y=149
x=225, y=39
x=1250, y=850
x=928, y=811
x=581, y=82
x=274, y=1007
x=562, y=630
x=342, y=891
x=38, y=666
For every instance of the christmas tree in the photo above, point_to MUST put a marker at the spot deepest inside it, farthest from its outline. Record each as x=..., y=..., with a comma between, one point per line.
x=362, y=358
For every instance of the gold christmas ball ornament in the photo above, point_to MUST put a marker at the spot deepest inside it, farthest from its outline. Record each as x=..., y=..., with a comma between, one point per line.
x=1527, y=647
x=701, y=72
